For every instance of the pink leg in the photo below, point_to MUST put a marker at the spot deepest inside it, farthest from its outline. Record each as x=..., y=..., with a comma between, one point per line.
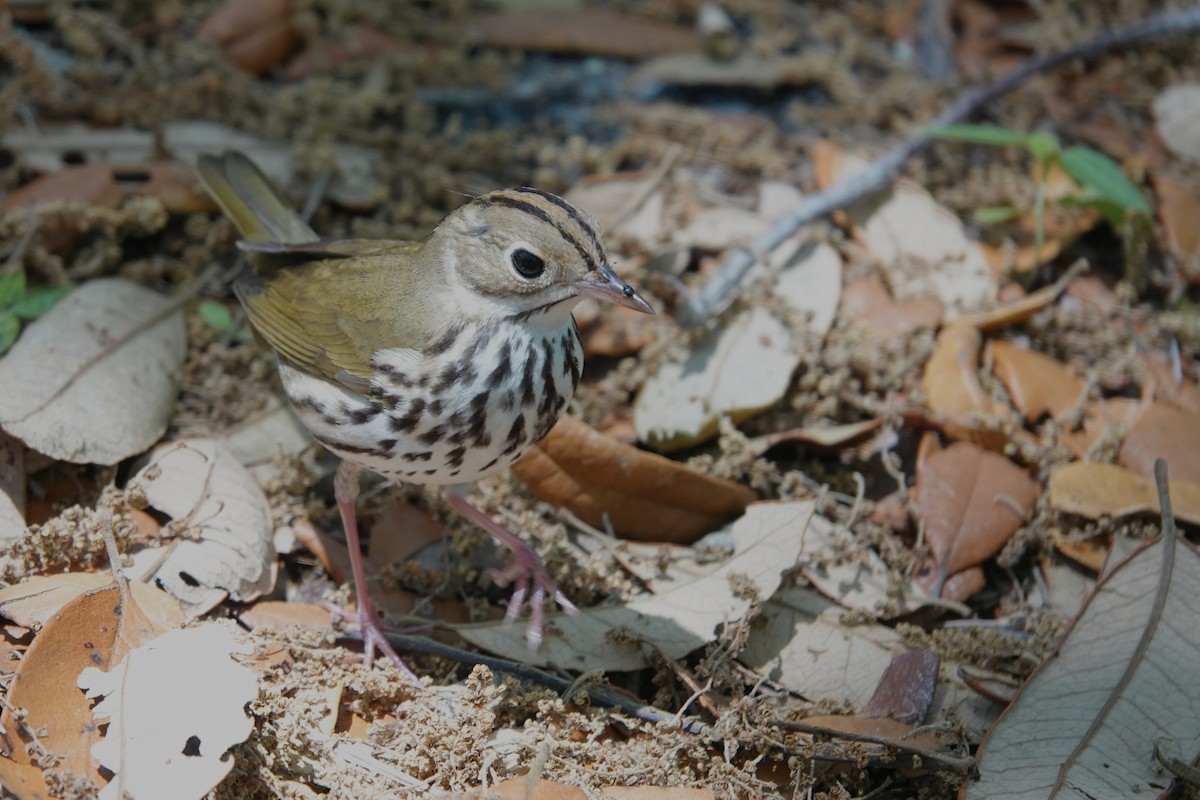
x=345, y=491
x=524, y=570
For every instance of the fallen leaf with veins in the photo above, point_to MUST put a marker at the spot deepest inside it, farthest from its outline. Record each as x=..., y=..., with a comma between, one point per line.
x=1124, y=676
x=100, y=352
x=972, y=501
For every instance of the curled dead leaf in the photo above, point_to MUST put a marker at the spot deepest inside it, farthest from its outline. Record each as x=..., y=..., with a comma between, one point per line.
x=953, y=390
x=645, y=496
x=1037, y=383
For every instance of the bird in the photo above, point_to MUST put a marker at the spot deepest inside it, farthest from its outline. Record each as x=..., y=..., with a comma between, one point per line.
x=436, y=362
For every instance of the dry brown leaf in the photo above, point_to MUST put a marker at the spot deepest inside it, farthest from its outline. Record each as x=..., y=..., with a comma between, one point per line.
x=22, y=781
x=1162, y=431
x=585, y=31
x=868, y=303
x=1182, y=393
x=254, y=35
x=953, y=390
x=1095, y=490
x=971, y=501
x=905, y=691
x=1178, y=209
x=645, y=496
x=1038, y=384
x=1098, y=416
x=86, y=184
x=95, y=629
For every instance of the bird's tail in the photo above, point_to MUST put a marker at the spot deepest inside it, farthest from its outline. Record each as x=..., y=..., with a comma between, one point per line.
x=247, y=197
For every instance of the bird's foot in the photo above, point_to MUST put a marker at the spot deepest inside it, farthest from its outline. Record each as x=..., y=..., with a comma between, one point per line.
x=526, y=572
x=374, y=636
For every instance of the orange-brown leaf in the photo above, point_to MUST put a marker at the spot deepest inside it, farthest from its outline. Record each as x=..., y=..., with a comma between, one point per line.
x=1095, y=490
x=1162, y=431
x=87, y=184
x=646, y=497
x=254, y=35
x=1038, y=384
x=971, y=501
x=22, y=781
x=952, y=387
x=868, y=303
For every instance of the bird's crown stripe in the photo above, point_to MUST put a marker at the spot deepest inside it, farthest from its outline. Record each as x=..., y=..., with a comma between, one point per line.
x=507, y=199
x=572, y=212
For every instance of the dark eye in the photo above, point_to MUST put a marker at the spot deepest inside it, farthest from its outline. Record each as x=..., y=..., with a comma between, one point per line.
x=527, y=264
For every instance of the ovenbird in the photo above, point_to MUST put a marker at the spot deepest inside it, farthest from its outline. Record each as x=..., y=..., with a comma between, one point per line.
x=438, y=362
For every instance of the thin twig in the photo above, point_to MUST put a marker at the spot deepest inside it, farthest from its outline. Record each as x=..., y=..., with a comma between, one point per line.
x=721, y=288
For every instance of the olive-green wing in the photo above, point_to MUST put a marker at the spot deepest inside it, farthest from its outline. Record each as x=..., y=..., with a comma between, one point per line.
x=330, y=317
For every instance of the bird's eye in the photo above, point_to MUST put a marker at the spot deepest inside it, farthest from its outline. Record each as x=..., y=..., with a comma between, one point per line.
x=527, y=264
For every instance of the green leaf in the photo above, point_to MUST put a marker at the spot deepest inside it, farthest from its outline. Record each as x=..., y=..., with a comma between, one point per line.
x=980, y=134
x=215, y=315
x=1093, y=170
x=10, y=328
x=12, y=286
x=37, y=302
x=995, y=215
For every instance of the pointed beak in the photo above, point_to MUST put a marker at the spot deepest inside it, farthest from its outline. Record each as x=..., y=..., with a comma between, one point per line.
x=604, y=284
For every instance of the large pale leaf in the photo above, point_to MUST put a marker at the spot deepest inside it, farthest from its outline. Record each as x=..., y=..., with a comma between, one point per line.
x=163, y=732
x=225, y=544
x=85, y=384
x=1086, y=724
x=684, y=613
x=743, y=368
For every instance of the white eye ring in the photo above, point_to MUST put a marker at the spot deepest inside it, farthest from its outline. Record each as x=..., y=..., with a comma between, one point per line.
x=525, y=260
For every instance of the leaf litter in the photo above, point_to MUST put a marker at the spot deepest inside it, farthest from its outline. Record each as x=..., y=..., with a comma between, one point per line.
x=846, y=393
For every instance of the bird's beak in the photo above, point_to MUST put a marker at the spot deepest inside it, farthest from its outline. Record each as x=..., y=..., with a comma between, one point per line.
x=604, y=284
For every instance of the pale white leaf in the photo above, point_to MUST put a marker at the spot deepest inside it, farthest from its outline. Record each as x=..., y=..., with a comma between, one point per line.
x=684, y=613
x=174, y=707
x=800, y=644
x=226, y=545
x=12, y=493
x=1177, y=113
x=921, y=244
x=78, y=390
x=721, y=228
x=275, y=430
x=745, y=367
x=1124, y=678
